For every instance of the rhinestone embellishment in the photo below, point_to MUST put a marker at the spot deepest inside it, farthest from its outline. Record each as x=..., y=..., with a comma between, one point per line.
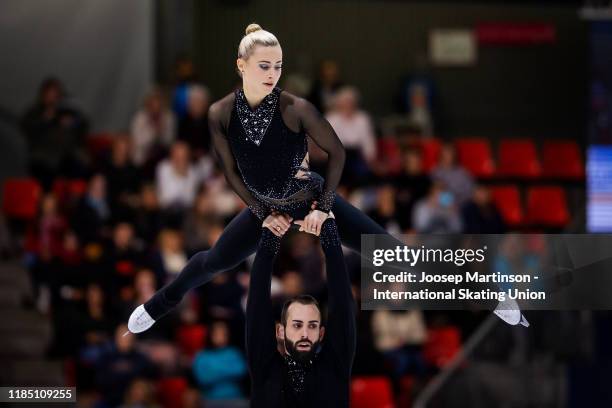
x=252, y=120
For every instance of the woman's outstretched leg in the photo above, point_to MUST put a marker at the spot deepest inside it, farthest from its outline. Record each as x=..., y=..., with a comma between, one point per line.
x=352, y=222
x=238, y=240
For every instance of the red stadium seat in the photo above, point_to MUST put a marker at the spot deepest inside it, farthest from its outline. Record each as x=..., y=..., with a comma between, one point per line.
x=406, y=392
x=389, y=155
x=20, y=198
x=430, y=150
x=518, y=158
x=475, y=155
x=507, y=199
x=191, y=339
x=171, y=390
x=368, y=392
x=98, y=145
x=441, y=346
x=67, y=191
x=547, y=206
x=562, y=159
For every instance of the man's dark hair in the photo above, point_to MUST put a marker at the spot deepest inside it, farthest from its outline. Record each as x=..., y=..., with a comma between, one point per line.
x=301, y=299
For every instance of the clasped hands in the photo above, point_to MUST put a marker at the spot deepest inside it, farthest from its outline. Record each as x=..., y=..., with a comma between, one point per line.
x=279, y=223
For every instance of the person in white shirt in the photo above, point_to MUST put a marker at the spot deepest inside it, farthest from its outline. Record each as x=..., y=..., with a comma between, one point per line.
x=152, y=128
x=177, y=180
x=355, y=130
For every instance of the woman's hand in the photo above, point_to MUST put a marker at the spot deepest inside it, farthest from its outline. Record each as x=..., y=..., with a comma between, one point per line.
x=312, y=222
x=277, y=223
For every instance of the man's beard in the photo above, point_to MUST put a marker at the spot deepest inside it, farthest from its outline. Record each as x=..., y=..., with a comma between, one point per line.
x=302, y=356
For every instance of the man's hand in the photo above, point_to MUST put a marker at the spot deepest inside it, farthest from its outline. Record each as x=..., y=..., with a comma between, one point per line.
x=312, y=222
x=277, y=223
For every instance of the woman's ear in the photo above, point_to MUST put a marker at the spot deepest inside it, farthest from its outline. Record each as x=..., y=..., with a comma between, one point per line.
x=240, y=65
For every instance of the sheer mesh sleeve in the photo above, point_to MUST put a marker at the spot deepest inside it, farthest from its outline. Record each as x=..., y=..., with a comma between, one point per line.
x=226, y=160
x=319, y=129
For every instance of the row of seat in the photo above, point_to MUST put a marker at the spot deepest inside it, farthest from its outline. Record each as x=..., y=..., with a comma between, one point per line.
x=21, y=196
x=546, y=205
x=366, y=392
x=516, y=158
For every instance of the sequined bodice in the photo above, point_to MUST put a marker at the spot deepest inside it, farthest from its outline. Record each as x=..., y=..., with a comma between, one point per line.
x=268, y=153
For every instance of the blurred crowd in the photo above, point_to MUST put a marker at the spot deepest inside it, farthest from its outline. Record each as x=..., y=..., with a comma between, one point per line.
x=121, y=214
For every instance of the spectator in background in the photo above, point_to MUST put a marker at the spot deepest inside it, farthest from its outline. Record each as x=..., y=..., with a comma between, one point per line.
x=220, y=368
x=120, y=366
x=185, y=76
x=47, y=236
x=399, y=335
x=147, y=218
x=170, y=258
x=140, y=394
x=411, y=185
x=224, y=200
x=354, y=129
x=46, y=257
x=192, y=398
x=72, y=280
x=199, y=221
x=480, y=215
x=420, y=113
x=221, y=299
x=292, y=284
x=121, y=259
x=325, y=86
x=123, y=178
x=55, y=133
x=152, y=129
x=177, y=179
x=418, y=97
x=145, y=285
x=93, y=212
x=94, y=324
x=93, y=327
x=458, y=181
x=193, y=126
x=304, y=256
x=437, y=212
x=385, y=213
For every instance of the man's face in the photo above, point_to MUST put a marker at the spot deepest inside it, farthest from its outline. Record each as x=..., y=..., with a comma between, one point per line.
x=303, y=330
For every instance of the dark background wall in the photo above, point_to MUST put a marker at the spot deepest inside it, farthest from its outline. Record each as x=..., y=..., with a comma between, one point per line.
x=537, y=91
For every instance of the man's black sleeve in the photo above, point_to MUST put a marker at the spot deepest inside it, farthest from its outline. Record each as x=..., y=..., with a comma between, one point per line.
x=340, y=331
x=260, y=327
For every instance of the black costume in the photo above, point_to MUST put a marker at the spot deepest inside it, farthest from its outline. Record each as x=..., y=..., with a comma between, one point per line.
x=261, y=152
x=269, y=153
x=282, y=381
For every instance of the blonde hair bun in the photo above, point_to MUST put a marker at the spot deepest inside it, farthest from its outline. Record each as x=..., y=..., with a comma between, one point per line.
x=255, y=35
x=252, y=28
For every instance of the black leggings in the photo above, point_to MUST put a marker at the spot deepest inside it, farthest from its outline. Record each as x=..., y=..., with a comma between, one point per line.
x=238, y=241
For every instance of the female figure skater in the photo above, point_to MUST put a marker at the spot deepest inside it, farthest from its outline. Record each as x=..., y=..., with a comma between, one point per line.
x=259, y=136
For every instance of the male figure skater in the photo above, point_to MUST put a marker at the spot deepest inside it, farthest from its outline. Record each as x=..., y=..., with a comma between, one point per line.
x=314, y=369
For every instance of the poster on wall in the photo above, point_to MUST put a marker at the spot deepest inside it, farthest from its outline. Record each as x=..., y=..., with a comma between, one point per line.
x=452, y=47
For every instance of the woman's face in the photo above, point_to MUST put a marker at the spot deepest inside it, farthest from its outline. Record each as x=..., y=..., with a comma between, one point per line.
x=262, y=70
